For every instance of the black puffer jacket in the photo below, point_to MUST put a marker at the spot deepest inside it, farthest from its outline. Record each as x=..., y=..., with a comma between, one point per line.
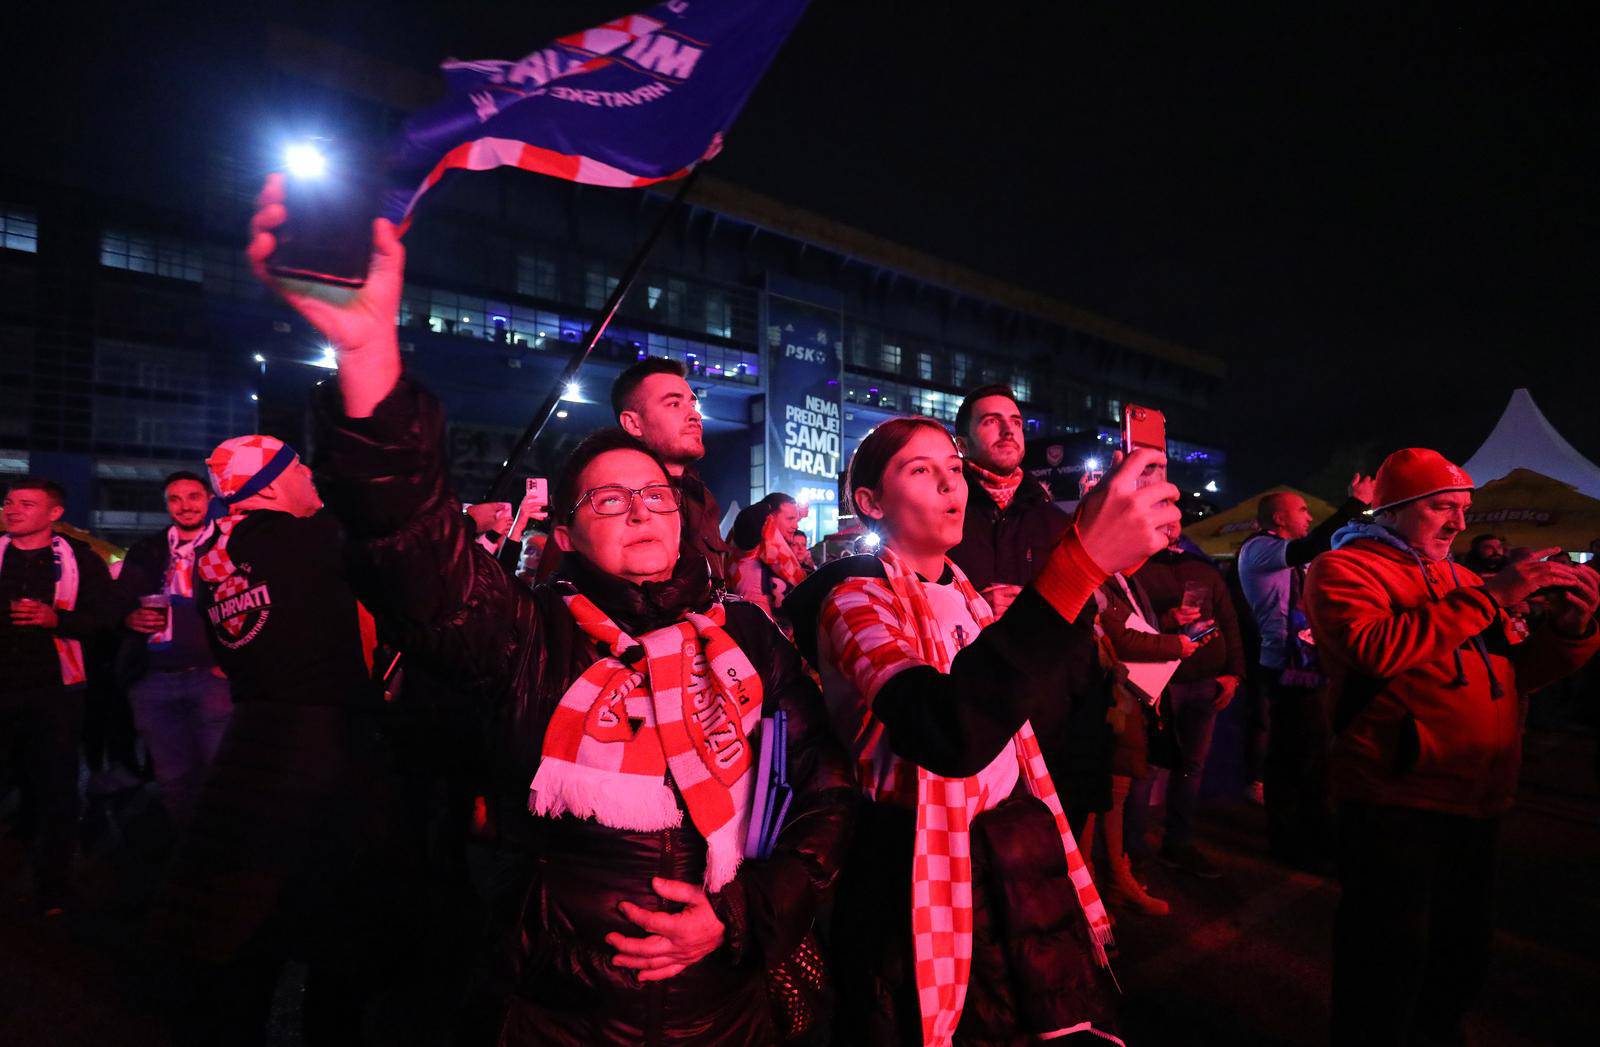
x=460, y=612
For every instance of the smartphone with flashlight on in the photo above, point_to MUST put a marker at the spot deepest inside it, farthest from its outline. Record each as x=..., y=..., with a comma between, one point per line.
x=330, y=202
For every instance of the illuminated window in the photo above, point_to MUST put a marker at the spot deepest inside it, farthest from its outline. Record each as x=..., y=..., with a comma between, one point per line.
x=1021, y=387
x=597, y=286
x=162, y=256
x=719, y=315
x=537, y=277
x=925, y=366
x=19, y=230
x=960, y=366
x=889, y=358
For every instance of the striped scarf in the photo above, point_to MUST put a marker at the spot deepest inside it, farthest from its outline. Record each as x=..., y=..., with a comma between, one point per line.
x=941, y=872
x=179, y=580
x=682, y=700
x=69, y=653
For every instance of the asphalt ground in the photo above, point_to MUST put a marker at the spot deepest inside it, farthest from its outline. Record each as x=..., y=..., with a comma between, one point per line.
x=1240, y=960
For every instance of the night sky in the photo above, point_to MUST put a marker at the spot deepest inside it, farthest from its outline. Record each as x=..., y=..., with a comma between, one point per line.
x=1382, y=221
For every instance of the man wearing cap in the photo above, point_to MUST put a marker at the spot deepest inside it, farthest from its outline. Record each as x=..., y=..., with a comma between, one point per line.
x=268, y=869
x=1427, y=691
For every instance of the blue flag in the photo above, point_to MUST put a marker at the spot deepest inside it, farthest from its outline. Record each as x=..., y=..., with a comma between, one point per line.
x=640, y=99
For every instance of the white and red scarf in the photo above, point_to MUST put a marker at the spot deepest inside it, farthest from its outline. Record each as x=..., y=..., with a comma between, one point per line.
x=1001, y=488
x=776, y=552
x=69, y=652
x=682, y=699
x=941, y=871
x=179, y=580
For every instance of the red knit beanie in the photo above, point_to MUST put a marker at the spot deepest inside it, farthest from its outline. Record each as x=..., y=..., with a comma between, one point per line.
x=1416, y=472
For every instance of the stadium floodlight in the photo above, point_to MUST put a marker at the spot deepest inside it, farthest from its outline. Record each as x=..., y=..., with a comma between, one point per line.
x=305, y=160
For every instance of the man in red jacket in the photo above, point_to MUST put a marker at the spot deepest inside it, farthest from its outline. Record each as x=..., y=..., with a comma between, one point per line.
x=1428, y=688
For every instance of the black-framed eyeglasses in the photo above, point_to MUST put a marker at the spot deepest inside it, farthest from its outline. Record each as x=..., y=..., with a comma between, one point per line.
x=615, y=499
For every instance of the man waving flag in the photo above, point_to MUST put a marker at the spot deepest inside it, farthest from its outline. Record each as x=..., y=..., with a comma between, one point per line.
x=640, y=99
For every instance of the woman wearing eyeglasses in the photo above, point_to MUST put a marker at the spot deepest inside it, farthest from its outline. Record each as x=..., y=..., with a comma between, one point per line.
x=627, y=704
x=965, y=913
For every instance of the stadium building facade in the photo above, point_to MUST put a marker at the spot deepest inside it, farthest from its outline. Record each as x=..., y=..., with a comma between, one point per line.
x=133, y=337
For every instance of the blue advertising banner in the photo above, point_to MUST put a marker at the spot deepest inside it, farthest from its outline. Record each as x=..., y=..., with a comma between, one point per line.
x=805, y=408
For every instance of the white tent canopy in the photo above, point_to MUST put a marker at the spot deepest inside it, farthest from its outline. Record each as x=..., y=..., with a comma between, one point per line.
x=1525, y=439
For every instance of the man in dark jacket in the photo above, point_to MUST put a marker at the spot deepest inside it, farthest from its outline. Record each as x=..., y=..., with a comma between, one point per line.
x=653, y=401
x=652, y=917
x=1011, y=525
x=179, y=695
x=1272, y=567
x=1187, y=592
x=58, y=594
x=288, y=855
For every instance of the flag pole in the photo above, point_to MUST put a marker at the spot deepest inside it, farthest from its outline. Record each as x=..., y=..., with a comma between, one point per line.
x=501, y=489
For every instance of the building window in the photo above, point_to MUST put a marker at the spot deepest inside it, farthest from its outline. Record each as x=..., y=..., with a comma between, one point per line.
x=717, y=320
x=1021, y=387
x=19, y=230
x=925, y=367
x=960, y=367
x=719, y=315
x=597, y=286
x=1114, y=409
x=537, y=277
x=889, y=358
x=162, y=256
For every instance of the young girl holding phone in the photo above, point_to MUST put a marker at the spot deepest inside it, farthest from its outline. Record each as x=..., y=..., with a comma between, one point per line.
x=966, y=910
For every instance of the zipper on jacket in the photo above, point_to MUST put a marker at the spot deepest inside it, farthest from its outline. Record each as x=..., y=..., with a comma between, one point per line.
x=656, y=992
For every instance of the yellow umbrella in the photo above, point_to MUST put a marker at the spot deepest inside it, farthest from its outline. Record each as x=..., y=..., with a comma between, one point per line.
x=108, y=552
x=1530, y=509
x=1223, y=533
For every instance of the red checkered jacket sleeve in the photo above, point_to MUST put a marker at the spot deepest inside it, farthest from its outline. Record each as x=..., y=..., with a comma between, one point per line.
x=869, y=641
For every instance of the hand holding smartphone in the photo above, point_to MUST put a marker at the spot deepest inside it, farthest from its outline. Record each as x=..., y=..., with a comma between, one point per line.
x=534, y=502
x=330, y=202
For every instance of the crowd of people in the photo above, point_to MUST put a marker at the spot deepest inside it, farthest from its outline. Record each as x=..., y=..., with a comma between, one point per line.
x=738, y=790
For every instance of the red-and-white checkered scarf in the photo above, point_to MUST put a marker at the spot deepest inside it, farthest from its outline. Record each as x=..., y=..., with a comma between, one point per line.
x=941, y=871
x=683, y=698
x=217, y=570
